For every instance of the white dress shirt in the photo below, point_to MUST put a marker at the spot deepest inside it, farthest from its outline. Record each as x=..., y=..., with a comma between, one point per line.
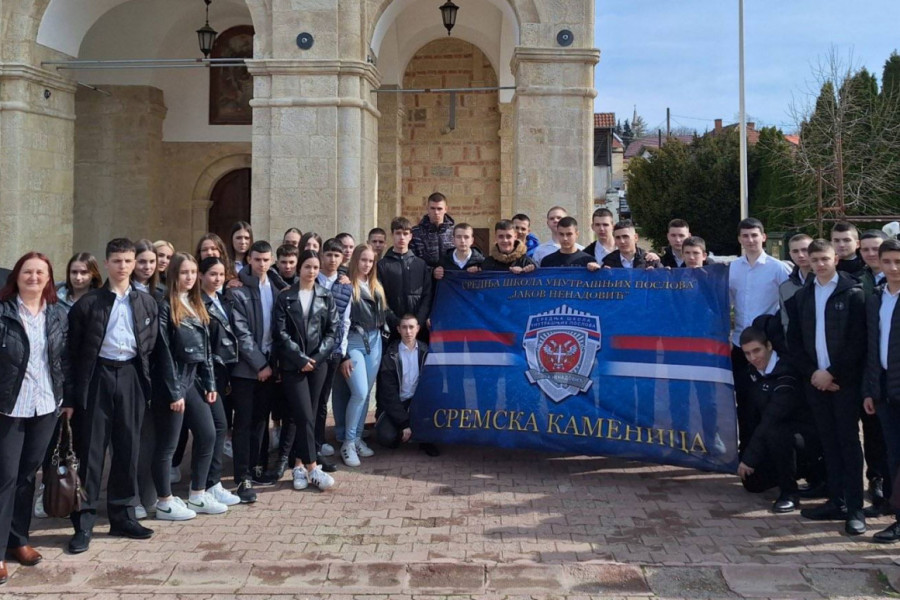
x=36, y=394
x=600, y=252
x=885, y=315
x=325, y=281
x=461, y=264
x=754, y=290
x=409, y=368
x=267, y=300
x=141, y=287
x=627, y=263
x=772, y=362
x=119, y=342
x=823, y=293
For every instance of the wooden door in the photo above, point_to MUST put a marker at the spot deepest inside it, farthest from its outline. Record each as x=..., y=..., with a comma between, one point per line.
x=230, y=203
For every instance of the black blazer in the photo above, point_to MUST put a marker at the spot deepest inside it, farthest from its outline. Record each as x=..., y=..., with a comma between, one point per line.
x=179, y=347
x=845, y=330
x=15, y=351
x=88, y=319
x=297, y=342
x=222, y=339
x=390, y=374
x=872, y=382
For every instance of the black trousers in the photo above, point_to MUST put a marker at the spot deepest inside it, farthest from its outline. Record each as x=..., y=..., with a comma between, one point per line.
x=747, y=416
x=302, y=391
x=779, y=466
x=114, y=414
x=331, y=368
x=199, y=420
x=875, y=450
x=221, y=374
x=837, y=420
x=23, y=444
x=251, y=400
x=146, y=487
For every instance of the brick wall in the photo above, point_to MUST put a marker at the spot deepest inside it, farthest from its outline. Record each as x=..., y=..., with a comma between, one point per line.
x=464, y=164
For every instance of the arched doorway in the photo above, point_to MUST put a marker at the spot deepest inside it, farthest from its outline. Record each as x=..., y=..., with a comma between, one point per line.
x=230, y=200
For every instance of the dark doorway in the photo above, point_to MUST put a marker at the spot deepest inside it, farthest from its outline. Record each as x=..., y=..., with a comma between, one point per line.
x=230, y=203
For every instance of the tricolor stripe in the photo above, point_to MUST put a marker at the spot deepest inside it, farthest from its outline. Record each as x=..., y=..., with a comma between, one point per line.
x=671, y=344
x=472, y=335
x=665, y=371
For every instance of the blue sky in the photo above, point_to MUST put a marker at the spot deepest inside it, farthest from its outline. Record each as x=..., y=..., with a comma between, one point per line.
x=684, y=54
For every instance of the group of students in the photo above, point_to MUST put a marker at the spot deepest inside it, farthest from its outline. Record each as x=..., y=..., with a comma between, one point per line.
x=220, y=343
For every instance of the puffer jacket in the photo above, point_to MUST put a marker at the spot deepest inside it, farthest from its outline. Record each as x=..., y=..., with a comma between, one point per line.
x=498, y=261
x=88, y=319
x=14, y=353
x=179, y=348
x=222, y=339
x=407, y=284
x=297, y=340
x=430, y=242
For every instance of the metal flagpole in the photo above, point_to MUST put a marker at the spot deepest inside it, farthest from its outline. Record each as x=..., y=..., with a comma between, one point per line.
x=745, y=209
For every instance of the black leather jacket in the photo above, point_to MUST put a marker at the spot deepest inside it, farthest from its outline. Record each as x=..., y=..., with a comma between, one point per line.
x=247, y=322
x=180, y=347
x=88, y=319
x=14, y=353
x=367, y=313
x=297, y=342
x=222, y=339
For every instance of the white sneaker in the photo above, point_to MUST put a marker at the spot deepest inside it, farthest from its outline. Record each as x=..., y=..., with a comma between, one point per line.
x=327, y=450
x=222, y=495
x=174, y=474
x=227, y=449
x=140, y=512
x=300, y=480
x=206, y=504
x=174, y=510
x=348, y=454
x=320, y=478
x=39, y=511
x=363, y=449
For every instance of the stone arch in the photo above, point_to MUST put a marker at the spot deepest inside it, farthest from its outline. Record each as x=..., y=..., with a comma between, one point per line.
x=200, y=198
x=19, y=23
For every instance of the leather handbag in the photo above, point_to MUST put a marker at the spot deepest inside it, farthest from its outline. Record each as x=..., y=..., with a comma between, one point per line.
x=62, y=487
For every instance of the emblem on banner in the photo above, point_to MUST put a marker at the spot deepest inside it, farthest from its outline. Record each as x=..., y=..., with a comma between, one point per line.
x=561, y=347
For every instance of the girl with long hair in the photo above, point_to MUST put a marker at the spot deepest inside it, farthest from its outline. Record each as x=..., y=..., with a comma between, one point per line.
x=311, y=241
x=164, y=252
x=304, y=325
x=82, y=276
x=34, y=369
x=145, y=276
x=212, y=245
x=183, y=366
x=360, y=365
x=240, y=240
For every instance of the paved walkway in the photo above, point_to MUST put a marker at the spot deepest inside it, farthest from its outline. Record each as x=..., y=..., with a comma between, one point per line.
x=479, y=522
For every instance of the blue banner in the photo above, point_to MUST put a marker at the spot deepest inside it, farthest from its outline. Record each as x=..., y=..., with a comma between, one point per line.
x=618, y=362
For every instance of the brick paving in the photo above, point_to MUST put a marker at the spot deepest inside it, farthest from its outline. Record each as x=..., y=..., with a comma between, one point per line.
x=478, y=522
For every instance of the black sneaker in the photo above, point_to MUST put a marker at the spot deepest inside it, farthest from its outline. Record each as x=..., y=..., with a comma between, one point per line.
x=261, y=478
x=327, y=465
x=278, y=472
x=891, y=535
x=246, y=492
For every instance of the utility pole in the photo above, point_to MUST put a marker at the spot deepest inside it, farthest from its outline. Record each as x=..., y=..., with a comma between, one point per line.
x=668, y=122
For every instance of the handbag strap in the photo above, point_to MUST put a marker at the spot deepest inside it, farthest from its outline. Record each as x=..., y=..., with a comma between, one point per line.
x=69, y=447
x=54, y=459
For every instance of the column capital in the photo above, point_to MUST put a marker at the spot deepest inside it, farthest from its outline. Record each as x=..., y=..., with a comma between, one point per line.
x=525, y=54
x=296, y=66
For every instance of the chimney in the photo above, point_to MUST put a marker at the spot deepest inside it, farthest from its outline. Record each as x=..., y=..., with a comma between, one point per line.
x=718, y=126
x=751, y=125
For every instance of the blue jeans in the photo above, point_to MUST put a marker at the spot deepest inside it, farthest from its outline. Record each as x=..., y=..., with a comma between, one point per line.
x=350, y=399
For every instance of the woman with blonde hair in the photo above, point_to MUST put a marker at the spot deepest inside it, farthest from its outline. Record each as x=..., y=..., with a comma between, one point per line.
x=183, y=367
x=164, y=252
x=367, y=310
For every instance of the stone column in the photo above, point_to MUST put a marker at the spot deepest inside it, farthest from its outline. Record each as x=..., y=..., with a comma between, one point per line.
x=554, y=132
x=507, y=156
x=118, y=165
x=390, y=131
x=314, y=149
x=37, y=124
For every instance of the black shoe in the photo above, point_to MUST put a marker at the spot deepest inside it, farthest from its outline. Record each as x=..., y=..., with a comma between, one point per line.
x=327, y=466
x=429, y=449
x=278, y=472
x=830, y=511
x=876, y=491
x=130, y=529
x=786, y=503
x=890, y=535
x=856, y=525
x=80, y=542
x=260, y=478
x=245, y=492
x=876, y=510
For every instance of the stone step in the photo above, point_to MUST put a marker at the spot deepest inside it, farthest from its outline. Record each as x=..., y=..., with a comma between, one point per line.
x=337, y=578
